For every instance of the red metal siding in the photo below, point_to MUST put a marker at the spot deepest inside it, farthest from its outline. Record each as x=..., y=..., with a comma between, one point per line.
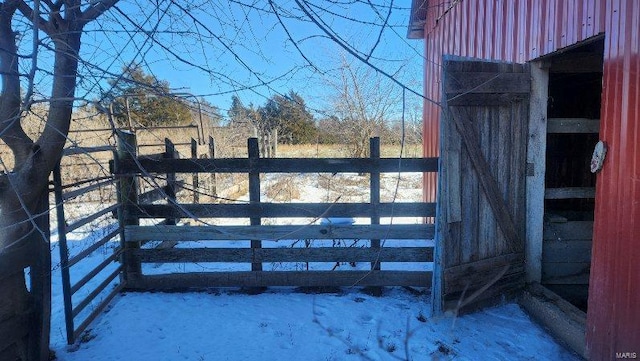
x=614, y=291
x=522, y=30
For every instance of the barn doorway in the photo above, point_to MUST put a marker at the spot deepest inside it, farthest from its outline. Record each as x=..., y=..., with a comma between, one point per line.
x=573, y=111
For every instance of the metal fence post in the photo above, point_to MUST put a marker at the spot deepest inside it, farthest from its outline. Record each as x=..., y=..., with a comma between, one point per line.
x=64, y=255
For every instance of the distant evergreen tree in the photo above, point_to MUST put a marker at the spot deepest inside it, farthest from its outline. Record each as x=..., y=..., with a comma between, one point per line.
x=149, y=99
x=290, y=116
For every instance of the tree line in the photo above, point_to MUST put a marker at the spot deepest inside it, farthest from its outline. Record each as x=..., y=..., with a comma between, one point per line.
x=358, y=110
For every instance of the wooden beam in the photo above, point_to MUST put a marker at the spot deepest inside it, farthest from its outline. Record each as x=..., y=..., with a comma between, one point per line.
x=254, y=195
x=570, y=193
x=564, y=321
x=485, y=83
x=278, y=165
x=276, y=232
x=290, y=210
x=573, y=125
x=536, y=160
x=181, y=281
x=259, y=255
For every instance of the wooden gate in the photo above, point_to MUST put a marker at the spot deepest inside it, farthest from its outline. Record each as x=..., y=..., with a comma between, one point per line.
x=481, y=200
x=254, y=255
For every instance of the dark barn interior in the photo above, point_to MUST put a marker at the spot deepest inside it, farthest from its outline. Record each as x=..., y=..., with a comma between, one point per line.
x=575, y=87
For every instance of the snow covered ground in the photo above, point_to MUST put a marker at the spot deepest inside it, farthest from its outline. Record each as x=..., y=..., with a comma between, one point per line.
x=282, y=324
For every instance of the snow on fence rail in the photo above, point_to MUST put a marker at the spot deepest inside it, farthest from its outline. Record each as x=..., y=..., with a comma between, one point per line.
x=225, y=243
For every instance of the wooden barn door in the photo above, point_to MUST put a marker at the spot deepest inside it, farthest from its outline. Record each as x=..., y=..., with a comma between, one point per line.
x=481, y=196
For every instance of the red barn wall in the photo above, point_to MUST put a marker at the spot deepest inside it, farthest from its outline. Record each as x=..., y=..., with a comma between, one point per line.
x=522, y=30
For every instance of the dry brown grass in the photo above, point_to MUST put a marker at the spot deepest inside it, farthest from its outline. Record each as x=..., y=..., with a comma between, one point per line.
x=90, y=130
x=342, y=151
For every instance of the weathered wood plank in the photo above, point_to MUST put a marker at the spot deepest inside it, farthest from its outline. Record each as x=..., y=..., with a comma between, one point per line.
x=452, y=164
x=127, y=193
x=489, y=184
x=276, y=210
x=570, y=192
x=275, y=232
x=254, y=194
x=573, y=125
x=477, y=280
x=483, y=100
x=566, y=251
x=87, y=150
x=278, y=165
x=476, y=297
x=485, y=265
x=374, y=195
x=258, y=255
x=487, y=231
x=575, y=230
x=486, y=83
x=536, y=150
x=176, y=281
x=562, y=319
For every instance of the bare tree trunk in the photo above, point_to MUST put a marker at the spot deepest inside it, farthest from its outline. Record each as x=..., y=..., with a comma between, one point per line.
x=24, y=201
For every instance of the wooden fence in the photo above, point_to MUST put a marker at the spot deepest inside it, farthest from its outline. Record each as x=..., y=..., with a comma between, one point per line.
x=86, y=295
x=247, y=244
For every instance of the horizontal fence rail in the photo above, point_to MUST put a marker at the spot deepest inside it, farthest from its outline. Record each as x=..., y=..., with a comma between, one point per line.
x=177, y=281
x=350, y=254
x=284, y=210
x=277, y=165
x=182, y=233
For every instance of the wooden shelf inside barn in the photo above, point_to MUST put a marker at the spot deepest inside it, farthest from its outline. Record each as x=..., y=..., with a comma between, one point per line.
x=573, y=125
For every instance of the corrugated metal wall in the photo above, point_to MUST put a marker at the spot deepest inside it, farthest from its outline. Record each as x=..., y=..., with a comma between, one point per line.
x=522, y=30
x=613, y=319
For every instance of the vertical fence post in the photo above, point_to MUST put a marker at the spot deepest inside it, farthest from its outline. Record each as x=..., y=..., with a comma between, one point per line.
x=374, y=151
x=212, y=155
x=254, y=191
x=64, y=255
x=194, y=155
x=170, y=153
x=127, y=199
x=274, y=144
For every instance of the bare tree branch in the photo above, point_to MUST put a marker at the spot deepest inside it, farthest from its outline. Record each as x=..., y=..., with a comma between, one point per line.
x=11, y=131
x=97, y=9
x=28, y=12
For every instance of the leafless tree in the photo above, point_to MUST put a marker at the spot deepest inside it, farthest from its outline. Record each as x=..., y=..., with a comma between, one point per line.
x=362, y=102
x=23, y=190
x=58, y=52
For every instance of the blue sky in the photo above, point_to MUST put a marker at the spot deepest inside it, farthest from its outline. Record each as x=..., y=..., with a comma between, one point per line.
x=217, y=49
